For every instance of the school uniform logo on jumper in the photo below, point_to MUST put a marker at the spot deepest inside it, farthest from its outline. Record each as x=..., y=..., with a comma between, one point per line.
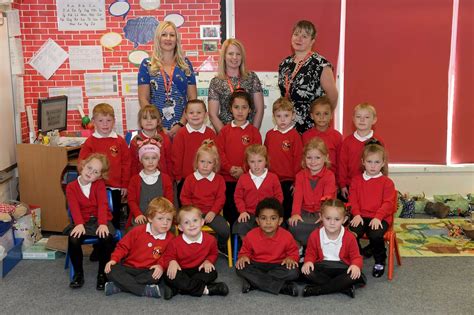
x=157, y=252
x=286, y=145
x=245, y=139
x=114, y=150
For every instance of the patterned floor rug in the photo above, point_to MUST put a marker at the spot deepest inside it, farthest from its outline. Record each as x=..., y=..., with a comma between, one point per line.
x=432, y=238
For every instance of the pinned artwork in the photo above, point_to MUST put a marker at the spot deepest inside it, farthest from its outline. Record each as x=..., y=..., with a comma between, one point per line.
x=209, y=46
x=119, y=8
x=176, y=18
x=110, y=40
x=150, y=4
x=140, y=30
x=210, y=32
x=136, y=57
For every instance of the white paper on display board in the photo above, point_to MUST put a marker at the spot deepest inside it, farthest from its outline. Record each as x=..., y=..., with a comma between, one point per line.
x=48, y=58
x=13, y=19
x=116, y=103
x=129, y=83
x=271, y=92
x=203, y=79
x=73, y=93
x=86, y=58
x=101, y=84
x=80, y=15
x=16, y=56
x=131, y=112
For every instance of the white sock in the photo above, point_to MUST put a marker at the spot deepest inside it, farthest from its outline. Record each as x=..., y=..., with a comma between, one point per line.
x=206, y=291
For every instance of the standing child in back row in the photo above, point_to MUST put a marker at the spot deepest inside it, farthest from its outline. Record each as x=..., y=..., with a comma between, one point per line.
x=321, y=113
x=232, y=141
x=284, y=147
x=372, y=196
x=188, y=139
x=349, y=166
x=106, y=141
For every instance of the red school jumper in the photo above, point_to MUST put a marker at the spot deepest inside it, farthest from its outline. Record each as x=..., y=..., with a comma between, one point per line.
x=349, y=253
x=139, y=249
x=285, y=151
x=247, y=196
x=372, y=198
x=117, y=153
x=232, y=142
x=185, y=146
x=207, y=195
x=164, y=164
x=305, y=198
x=272, y=250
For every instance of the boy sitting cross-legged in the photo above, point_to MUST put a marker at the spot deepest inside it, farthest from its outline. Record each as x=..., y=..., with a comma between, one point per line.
x=268, y=259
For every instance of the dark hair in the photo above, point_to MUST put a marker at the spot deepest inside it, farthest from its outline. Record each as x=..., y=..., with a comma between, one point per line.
x=195, y=101
x=269, y=203
x=240, y=93
x=323, y=100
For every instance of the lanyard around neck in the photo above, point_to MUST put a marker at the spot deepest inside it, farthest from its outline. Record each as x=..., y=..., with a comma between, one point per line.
x=231, y=86
x=289, y=81
x=168, y=83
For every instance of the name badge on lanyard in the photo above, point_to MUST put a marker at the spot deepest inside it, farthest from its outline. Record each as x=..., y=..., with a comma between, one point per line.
x=169, y=104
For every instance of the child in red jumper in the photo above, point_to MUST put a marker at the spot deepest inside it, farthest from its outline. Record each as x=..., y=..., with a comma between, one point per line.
x=253, y=187
x=190, y=258
x=87, y=201
x=268, y=259
x=149, y=120
x=232, y=141
x=133, y=266
x=188, y=140
x=284, y=147
x=106, y=141
x=321, y=113
x=205, y=189
x=332, y=262
x=313, y=183
x=371, y=197
x=349, y=166
x=149, y=183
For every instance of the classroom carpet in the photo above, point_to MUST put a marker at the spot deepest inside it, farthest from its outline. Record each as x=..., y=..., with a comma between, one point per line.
x=432, y=238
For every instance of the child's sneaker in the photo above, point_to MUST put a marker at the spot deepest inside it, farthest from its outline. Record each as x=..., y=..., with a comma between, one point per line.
x=152, y=290
x=311, y=290
x=350, y=291
x=111, y=288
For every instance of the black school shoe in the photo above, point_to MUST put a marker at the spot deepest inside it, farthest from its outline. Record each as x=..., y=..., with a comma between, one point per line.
x=290, y=289
x=169, y=292
x=218, y=288
x=311, y=290
x=101, y=280
x=350, y=291
x=78, y=281
x=367, y=251
x=246, y=286
x=378, y=270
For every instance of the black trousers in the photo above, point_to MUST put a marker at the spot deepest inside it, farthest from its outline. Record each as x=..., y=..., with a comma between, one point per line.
x=179, y=187
x=376, y=240
x=332, y=276
x=104, y=248
x=230, y=210
x=191, y=281
x=130, y=279
x=267, y=277
x=117, y=210
x=287, y=198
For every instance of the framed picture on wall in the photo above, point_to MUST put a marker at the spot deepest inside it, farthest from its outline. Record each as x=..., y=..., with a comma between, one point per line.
x=210, y=32
x=209, y=46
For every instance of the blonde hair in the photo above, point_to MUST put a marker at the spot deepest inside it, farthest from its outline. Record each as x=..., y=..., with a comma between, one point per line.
x=373, y=146
x=335, y=203
x=159, y=205
x=156, y=56
x=283, y=103
x=208, y=146
x=187, y=209
x=366, y=106
x=154, y=114
x=256, y=149
x=316, y=144
x=104, y=172
x=103, y=109
x=221, y=67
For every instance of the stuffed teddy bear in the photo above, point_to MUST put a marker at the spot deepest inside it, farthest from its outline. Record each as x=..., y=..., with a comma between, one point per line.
x=14, y=209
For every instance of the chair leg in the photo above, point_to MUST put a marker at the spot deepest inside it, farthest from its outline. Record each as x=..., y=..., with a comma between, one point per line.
x=397, y=250
x=236, y=247
x=390, y=256
x=229, y=252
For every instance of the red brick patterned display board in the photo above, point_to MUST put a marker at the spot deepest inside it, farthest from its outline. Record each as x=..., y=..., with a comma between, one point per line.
x=38, y=20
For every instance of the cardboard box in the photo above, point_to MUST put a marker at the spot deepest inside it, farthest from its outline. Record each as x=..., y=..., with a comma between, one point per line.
x=28, y=227
x=11, y=259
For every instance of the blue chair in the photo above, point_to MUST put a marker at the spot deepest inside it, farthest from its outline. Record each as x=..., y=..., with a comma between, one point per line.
x=129, y=136
x=91, y=240
x=236, y=248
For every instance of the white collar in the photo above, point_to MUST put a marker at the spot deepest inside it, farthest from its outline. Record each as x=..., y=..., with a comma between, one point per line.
x=83, y=186
x=367, y=176
x=112, y=134
x=160, y=236
x=325, y=239
x=199, y=176
x=156, y=174
x=232, y=124
x=283, y=131
x=363, y=139
x=262, y=177
x=191, y=129
x=189, y=241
